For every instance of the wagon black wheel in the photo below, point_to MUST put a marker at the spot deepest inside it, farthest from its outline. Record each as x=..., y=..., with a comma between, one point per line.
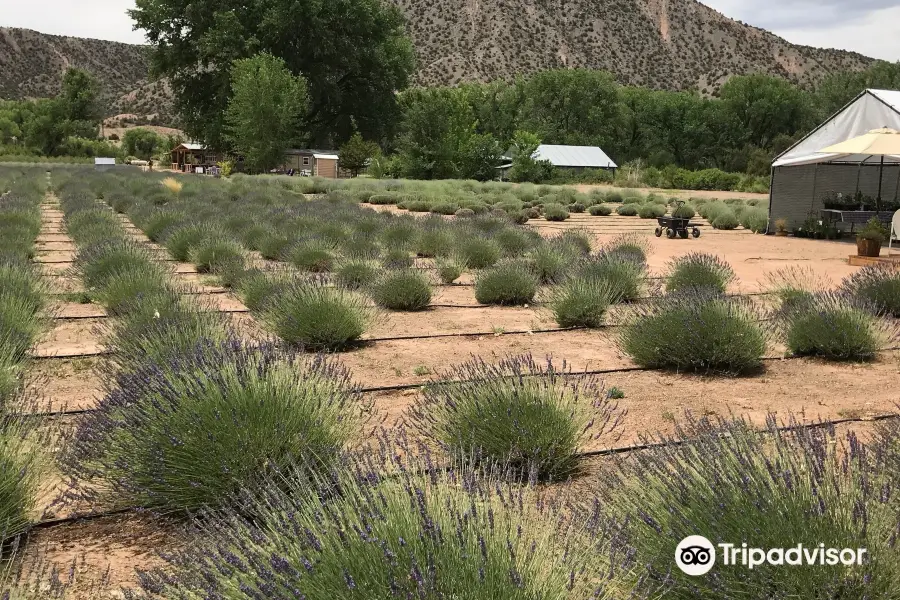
x=683, y=234
x=658, y=231
x=696, y=232
x=670, y=233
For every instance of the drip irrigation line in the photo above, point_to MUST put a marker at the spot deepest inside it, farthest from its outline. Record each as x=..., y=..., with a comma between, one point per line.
x=413, y=386
x=225, y=311
x=475, y=334
x=70, y=356
x=786, y=428
x=52, y=523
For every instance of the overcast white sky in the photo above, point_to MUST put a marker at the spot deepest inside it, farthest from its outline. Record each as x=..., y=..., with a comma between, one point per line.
x=867, y=26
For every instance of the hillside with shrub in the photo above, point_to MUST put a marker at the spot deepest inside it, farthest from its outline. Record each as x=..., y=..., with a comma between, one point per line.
x=32, y=65
x=661, y=44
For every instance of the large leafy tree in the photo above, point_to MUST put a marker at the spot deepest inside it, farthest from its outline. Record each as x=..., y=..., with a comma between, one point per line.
x=74, y=113
x=143, y=143
x=764, y=107
x=437, y=129
x=354, y=54
x=838, y=89
x=577, y=106
x=264, y=113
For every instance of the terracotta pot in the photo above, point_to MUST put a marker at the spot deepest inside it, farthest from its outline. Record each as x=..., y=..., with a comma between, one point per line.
x=781, y=234
x=869, y=248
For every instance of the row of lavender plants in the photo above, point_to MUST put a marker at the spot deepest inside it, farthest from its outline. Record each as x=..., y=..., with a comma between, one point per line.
x=23, y=308
x=373, y=258
x=694, y=326
x=523, y=202
x=260, y=451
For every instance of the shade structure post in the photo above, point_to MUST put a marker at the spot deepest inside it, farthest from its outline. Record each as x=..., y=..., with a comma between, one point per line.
x=812, y=201
x=880, y=178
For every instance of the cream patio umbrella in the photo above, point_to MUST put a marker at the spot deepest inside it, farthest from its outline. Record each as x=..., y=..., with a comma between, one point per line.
x=878, y=142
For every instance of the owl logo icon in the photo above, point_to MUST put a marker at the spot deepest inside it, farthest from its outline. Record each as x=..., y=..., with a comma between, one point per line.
x=695, y=555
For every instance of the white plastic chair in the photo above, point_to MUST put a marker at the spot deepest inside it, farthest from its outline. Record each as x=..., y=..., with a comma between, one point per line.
x=895, y=230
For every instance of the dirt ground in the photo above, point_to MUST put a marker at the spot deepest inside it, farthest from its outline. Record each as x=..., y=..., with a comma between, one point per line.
x=67, y=374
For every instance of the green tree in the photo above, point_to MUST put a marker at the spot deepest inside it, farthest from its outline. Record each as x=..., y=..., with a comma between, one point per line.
x=78, y=98
x=356, y=153
x=9, y=129
x=524, y=166
x=437, y=127
x=496, y=107
x=481, y=157
x=573, y=106
x=354, y=54
x=265, y=110
x=838, y=89
x=143, y=143
x=764, y=107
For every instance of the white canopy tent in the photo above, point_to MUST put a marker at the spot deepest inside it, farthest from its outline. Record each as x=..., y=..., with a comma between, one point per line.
x=803, y=175
x=872, y=109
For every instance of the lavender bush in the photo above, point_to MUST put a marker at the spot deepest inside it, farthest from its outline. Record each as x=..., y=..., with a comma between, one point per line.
x=181, y=241
x=533, y=417
x=312, y=256
x=478, y=252
x=157, y=331
x=878, y=286
x=696, y=329
x=97, y=263
x=770, y=489
x=552, y=261
x=450, y=269
x=624, y=276
x=356, y=274
x=274, y=245
x=795, y=285
x=628, y=246
x=402, y=289
x=581, y=302
x=699, y=270
x=190, y=432
x=21, y=468
x=216, y=252
x=834, y=326
x=318, y=317
x=455, y=534
x=511, y=282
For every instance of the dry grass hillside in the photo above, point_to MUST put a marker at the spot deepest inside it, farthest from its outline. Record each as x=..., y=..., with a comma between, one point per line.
x=32, y=65
x=668, y=44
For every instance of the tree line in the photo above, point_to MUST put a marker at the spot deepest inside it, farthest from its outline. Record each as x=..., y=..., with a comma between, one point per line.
x=342, y=71
x=256, y=77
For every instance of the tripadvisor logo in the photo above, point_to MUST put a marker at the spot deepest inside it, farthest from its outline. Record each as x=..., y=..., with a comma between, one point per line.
x=696, y=555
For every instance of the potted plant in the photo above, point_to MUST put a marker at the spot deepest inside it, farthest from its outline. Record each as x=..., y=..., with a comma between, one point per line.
x=837, y=201
x=781, y=227
x=870, y=238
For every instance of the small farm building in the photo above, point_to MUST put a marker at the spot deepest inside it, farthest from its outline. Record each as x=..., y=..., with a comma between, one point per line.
x=317, y=163
x=193, y=158
x=570, y=158
x=807, y=183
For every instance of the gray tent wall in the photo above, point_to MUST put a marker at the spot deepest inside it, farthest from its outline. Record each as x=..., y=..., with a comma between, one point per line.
x=798, y=191
x=801, y=177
